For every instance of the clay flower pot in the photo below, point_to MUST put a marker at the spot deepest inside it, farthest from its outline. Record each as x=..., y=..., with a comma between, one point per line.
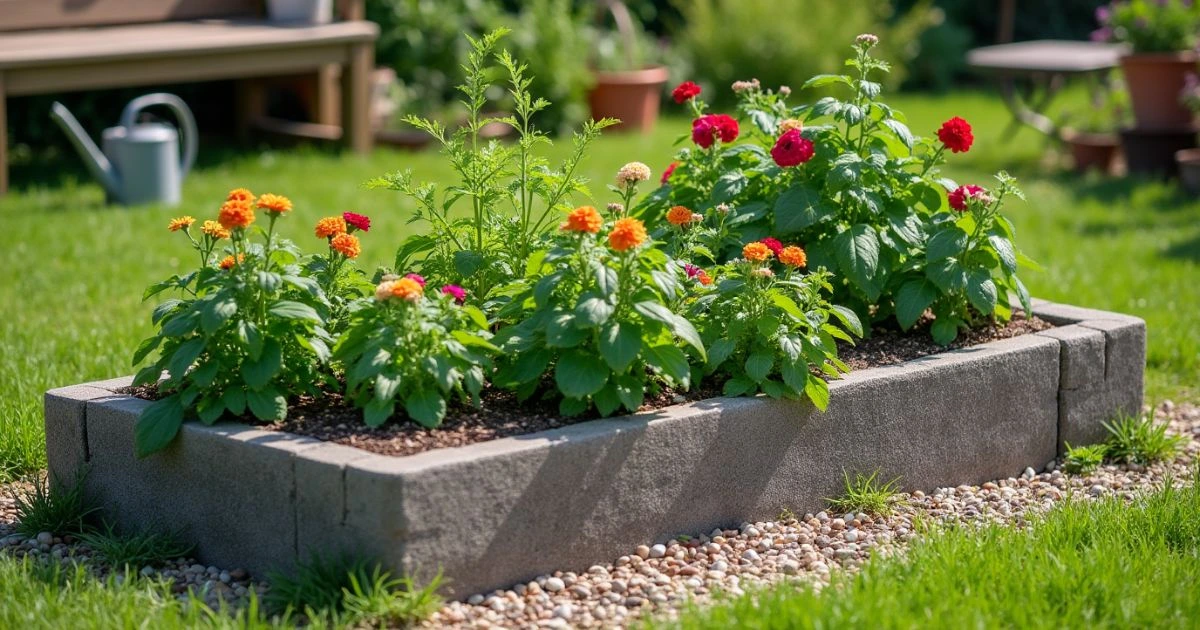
x=1188, y=161
x=629, y=96
x=1152, y=152
x=1093, y=150
x=1155, y=81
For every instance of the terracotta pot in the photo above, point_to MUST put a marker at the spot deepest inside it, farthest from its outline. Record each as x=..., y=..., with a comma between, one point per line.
x=1093, y=150
x=631, y=97
x=1188, y=161
x=1155, y=81
x=1153, y=152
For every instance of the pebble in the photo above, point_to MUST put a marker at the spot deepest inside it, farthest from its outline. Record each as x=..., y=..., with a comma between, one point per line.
x=554, y=584
x=658, y=551
x=45, y=538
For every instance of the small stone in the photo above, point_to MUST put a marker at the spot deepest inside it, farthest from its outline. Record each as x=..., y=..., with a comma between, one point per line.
x=851, y=535
x=581, y=591
x=643, y=552
x=225, y=577
x=147, y=571
x=658, y=551
x=564, y=611
x=554, y=584
x=238, y=575
x=1029, y=473
x=750, y=555
x=790, y=567
x=45, y=538
x=1097, y=490
x=475, y=599
x=634, y=601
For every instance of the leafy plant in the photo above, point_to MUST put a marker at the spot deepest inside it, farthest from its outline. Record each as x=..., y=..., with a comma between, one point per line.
x=318, y=584
x=49, y=505
x=341, y=282
x=416, y=350
x=854, y=184
x=1141, y=440
x=1150, y=26
x=513, y=194
x=135, y=549
x=866, y=493
x=247, y=334
x=341, y=590
x=1084, y=459
x=384, y=601
x=594, y=311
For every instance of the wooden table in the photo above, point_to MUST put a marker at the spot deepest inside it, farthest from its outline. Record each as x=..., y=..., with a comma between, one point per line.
x=1046, y=65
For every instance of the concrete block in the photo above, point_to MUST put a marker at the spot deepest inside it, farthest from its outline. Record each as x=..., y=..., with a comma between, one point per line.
x=1064, y=314
x=1082, y=355
x=66, y=433
x=321, y=499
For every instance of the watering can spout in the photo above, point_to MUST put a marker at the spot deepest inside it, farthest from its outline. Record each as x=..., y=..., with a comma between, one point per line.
x=96, y=162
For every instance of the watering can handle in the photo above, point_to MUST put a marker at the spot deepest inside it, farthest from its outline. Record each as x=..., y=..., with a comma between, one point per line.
x=182, y=113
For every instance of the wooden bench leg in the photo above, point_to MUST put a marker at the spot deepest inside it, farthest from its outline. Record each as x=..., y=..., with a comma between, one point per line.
x=356, y=98
x=3, y=139
x=251, y=105
x=328, y=101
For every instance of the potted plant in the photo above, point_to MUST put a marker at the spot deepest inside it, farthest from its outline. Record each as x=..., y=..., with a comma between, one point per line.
x=1091, y=135
x=1188, y=160
x=628, y=84
x=1162, y=36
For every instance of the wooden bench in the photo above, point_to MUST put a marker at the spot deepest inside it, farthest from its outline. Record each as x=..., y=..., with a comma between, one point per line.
x=50, y=46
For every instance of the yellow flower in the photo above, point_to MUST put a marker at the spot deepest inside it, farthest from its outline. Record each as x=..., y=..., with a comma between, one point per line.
x=347, y=245
x=228, y=262
x=215, y=230
x=632, y=173
x=756, y=252
x=626, y=234
x=236, y=214
x=679, y=215
x=583, y=219
x=793, y=256
x=181, y=223
x=240, y=194
x=407, y=289
x=330, y=227
x=274, y=204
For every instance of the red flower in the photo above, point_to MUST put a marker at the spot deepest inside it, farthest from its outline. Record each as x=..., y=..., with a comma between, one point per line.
x=959, y=196
x=416, y=278
x=666, y=176
x=708, y=128
x=956, y=135
x=357, y=221
x=685, y=92
x=791, y=149
x=772, y=244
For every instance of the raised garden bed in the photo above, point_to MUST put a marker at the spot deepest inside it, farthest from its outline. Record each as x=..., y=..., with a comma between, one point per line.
x=497, y=512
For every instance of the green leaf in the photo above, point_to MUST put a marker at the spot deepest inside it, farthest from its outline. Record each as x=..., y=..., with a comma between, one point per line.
x=946, y=244
x=620, y=344
x=795, y=376
x=181, y=325
x=901, y=130
x=593, y=311
x=1023, y=296
x=739, y=386
x=1006, y=253
x=944, y=330
x=913, y=298
x=164, y=309
x=561, y=331
x=303, y=283
x=719, y=351
x=528, y=367
x=210, y=409
x=183, y=358
x=948, y=275
x=857, y=254
x=426, y=406
x=606, y=278
x=266, y=404
x=981, y=291
x=572, y=406
x=467, y=263
x=729, y=186
x=579, y=375
x=269, y=281
x=216, y=312
x=235, y=400
x=758, y=366
x=630, y=390
x=386, y=386
x=287, y=309
x=607, y=401
x=799, y=207
x=157, y=425
x=822, y=80
x=845, y=171
x=817, y=391
x=145, y=348
x=670, y=360
x=258, y=373
x=370, y=364
x=377, y=411
x=848, y=318
x=251, y=339
x=676, y=323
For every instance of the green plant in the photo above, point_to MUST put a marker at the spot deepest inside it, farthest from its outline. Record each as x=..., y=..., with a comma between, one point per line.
x=340, y=280
x=49, y=505
x=417, y=350
x=319, y=584
x=513, y=194
x=1141, y=440
x=247, y=333
x=135, y=549
x=383, y=601
x=342, y=590
x=552, y=36
x=1150, y=26
x=1084, y=459
x=866, y=493
x=597, y=316
x=850, y=183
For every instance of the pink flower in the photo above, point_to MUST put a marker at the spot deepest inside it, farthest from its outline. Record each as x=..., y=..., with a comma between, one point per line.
x=357, y=221
x=710, y=127
x=772, y=244
x=458, y=293
x=666, y=176
x=959, y=196
x=691, y=270
x=791, y=149
x=416, y=278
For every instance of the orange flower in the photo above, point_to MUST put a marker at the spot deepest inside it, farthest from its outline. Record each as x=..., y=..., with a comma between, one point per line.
x=679, y=215
x=756, y=252
x=215, y=230
x=229, y=261
x=583, y=219
x=347, y=245
x=704, y=278
x=407, y=289
x=330, y=226
x=240, y=194
x=181, y=223
x=274, y=204
x=626, y=234
x=793, y=256
x=236, y=214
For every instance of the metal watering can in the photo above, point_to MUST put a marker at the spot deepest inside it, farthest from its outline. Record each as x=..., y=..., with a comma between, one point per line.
x=140, y=162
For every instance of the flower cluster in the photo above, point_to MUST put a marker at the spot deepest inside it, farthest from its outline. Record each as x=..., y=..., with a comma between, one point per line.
x=707, y=129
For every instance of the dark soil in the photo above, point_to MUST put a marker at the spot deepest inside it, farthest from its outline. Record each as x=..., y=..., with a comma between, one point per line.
x=332, y=419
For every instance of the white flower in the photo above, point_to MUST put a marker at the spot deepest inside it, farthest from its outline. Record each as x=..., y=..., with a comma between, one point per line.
x=384, y=290
x=632, y=173
x=763, y=272
x=867, y=39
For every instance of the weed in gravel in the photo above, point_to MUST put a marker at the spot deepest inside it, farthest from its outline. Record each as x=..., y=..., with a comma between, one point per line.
x=135, y=550
x=1084, y=459
x=1141, y=440
x=343, y=590
x=52, y=506
x=866, y=493
x=385, y=601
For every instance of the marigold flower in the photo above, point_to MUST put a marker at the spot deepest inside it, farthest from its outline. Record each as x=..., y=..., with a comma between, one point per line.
x=956, y=135
x=240, y=194
x=347, y=245
x=704, y=278
x=626, y=234
x=710, y=127
x=407, y=289
x=583, y=219
x=792, y=149
x=773, y=244
x=679, y=215
x=793, y=256
x=330, y=227
x=458, y=293
x=959, y=197
x=274, y=204
x=685, y=92
x=419, y=279
x=181, y=223
x=790, y=124
x=632, y=173
x=357, y=221
x=666, y=176
x=228, y=262
x=756, y=252
x=215, y=230
x=236, y=214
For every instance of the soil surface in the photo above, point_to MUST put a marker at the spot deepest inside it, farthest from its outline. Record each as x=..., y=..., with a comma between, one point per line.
x=331, y=418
